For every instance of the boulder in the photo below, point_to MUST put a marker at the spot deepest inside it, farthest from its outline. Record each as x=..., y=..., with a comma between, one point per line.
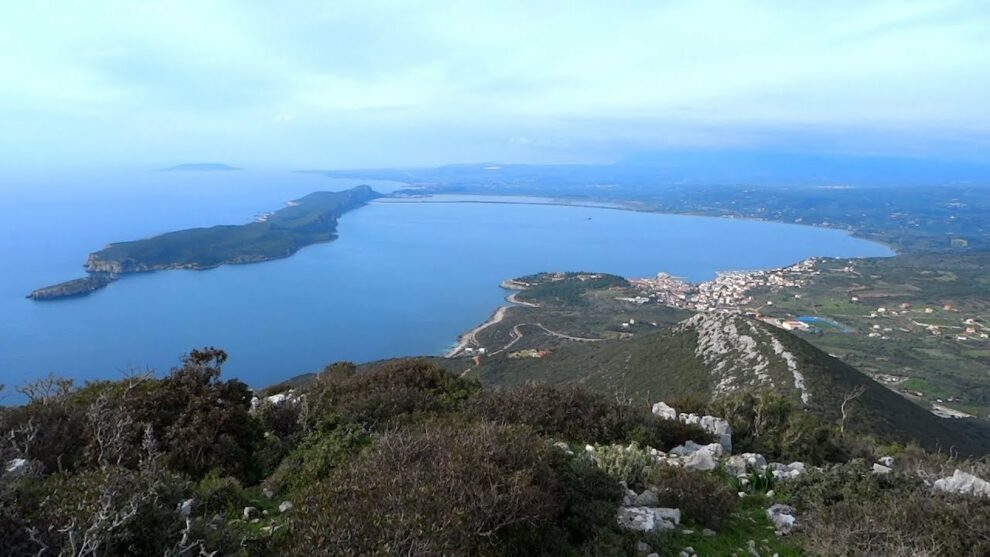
x=664, y=411
x=249, y=513
x=887, y=461
x=963, y=483
x=564, y=447
x=647, y=519
x=881, y=469
x=691, y=447
x=185, y=508
x=782, y=517
x=787, y=471
x=646, y=499
x=741, y=464
x=285, y=506
x=702, y=460
x=721, y=429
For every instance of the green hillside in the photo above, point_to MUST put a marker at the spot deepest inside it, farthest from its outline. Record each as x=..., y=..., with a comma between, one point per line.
x=712, y=355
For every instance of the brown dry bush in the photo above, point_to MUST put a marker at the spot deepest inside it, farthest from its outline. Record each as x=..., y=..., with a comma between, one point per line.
x=445, y=490
x=703, y=497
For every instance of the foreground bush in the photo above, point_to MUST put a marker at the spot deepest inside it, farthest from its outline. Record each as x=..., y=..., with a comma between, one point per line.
x=703, y=498
x=449, y=489
x=847, y=510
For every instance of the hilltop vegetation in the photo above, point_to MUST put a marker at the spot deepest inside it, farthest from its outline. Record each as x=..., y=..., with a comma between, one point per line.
x=404, y=458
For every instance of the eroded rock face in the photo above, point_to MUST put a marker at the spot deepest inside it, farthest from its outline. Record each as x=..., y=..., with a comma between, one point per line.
x=963, y=483
x=782, y=517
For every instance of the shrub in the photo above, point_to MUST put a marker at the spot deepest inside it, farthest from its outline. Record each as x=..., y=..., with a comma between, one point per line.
x=219, y=495
x=383, y=395
x=203, y=424
x=702, y=497
x=768, y=423
x=579, y=415
x=444, y=490
x=626, y=464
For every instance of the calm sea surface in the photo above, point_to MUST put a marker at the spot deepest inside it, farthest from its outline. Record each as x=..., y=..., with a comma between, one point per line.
x=402, y=279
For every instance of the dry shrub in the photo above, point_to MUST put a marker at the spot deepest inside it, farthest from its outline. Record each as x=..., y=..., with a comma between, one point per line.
x=445, y=490
x=702, y=497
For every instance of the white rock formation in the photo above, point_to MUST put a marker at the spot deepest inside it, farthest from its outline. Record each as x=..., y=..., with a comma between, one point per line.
x=963, y=483
x=647, y=519
x=664, y=411
x=787, y=471
x=782, y=517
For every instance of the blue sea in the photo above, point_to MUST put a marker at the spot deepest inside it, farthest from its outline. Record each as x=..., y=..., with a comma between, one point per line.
x=404, y=278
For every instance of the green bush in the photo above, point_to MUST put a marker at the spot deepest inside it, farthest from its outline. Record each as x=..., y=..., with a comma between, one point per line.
x=580, y=415
x=703, y=497
x=221, y=495
x=383, y=395
x=627, y=464
x=767, y=423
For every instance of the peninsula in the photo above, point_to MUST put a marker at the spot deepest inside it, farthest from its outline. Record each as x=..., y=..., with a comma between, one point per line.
x=309, y=220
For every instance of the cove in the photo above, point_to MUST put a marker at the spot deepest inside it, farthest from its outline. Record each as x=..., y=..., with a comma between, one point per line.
x=404, y=278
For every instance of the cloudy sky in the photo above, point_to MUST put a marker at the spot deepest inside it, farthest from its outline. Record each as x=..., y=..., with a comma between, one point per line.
x=343, y=84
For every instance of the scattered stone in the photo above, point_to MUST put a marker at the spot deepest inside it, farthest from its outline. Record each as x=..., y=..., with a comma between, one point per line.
x=564, y=447
x=881, y=469
x=664, y=411
x=787, y=471
x=285, y=506
x=751, y=548
x=701, y=460
x=268, y=493
x=782, y=518
x=250, y=512
x=589, y=448
x=647, y=499
x=185, y=508
x=739, y=465
x=687, y=532
x=887, y=461
x=643, y=548
x=647, y=519
x=741, y=494
x=963, y=483
x=708, y=532
x=629, y=499
x=771, y=493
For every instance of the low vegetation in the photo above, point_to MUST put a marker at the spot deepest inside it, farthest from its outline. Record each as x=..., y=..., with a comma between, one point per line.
x=407, y=459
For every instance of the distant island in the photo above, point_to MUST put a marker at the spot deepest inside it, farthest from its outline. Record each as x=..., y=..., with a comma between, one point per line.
x=200, y=167
x=309, y=220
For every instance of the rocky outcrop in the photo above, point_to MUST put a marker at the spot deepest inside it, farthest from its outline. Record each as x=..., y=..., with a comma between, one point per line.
x=963, y=483
x=782, y=518
x=718, y=427
x=72, y=288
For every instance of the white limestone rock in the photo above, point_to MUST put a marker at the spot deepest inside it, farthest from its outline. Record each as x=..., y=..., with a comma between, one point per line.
x=782, y=518
x=664, y=411
x=963, y=483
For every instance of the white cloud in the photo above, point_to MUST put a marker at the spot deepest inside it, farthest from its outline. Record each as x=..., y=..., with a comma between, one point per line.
x=171, y=80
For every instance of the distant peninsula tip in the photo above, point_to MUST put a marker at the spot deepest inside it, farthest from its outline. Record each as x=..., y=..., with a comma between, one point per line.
x=200, y=167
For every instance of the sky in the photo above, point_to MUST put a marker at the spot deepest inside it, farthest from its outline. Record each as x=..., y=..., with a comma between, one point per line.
x=337, y=84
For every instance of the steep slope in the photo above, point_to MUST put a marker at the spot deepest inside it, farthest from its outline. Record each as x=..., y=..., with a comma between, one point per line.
x=711, y=355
